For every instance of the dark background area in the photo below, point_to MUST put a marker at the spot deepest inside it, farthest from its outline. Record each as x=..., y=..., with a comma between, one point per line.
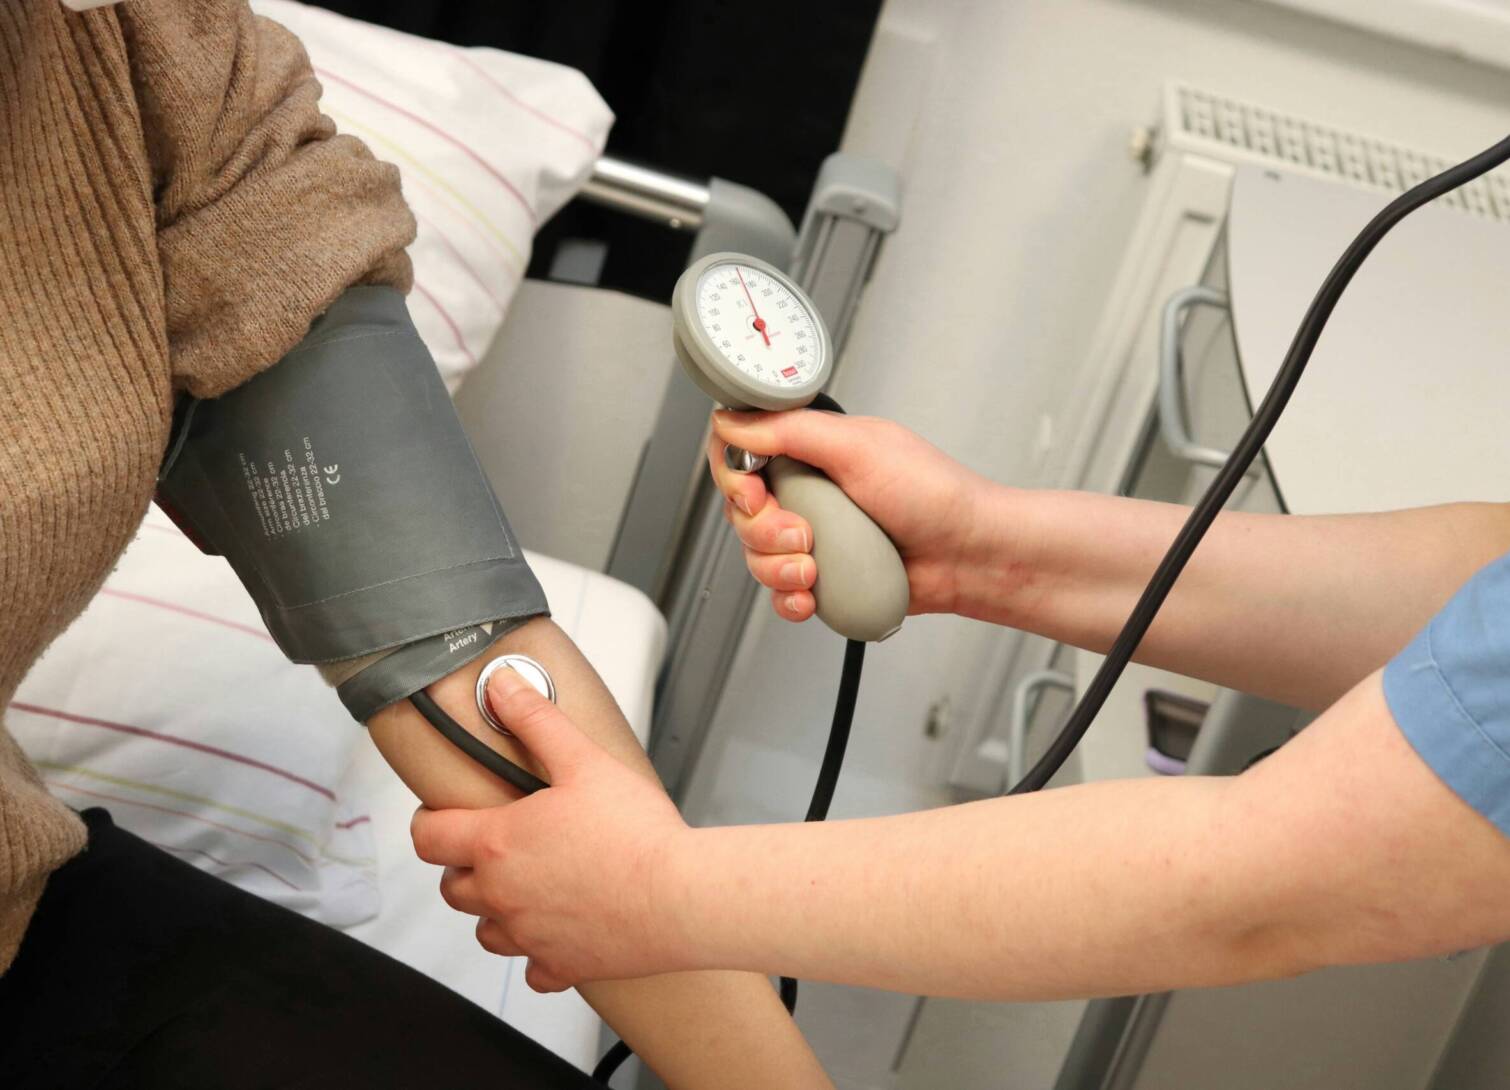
x=755, y=93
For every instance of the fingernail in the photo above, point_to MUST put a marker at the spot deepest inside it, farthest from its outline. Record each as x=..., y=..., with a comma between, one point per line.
x=795, y=572
x=742, y=503
x=503, y=682
x=793, y=603
x=792, y=540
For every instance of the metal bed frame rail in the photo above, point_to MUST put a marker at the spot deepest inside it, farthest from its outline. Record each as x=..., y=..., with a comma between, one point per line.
x=665, y=198
x=672, y=542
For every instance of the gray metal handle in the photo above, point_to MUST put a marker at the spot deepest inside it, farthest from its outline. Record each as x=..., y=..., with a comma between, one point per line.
x=1017, y=737
x=669, y=199
x=1172, y=424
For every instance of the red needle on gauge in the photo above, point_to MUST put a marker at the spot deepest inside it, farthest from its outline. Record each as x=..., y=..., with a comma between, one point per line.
x=759, y=321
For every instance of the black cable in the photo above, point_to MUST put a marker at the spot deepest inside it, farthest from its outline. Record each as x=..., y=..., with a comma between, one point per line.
x=1242, y=456
x=475, y=747
x=833, y=760
x=611, y=1062
x=787, y=989
x=817, y=810
x=838, y=730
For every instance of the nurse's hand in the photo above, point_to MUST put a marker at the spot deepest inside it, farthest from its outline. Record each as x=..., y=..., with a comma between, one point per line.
x=934, y=509
x=570, y=876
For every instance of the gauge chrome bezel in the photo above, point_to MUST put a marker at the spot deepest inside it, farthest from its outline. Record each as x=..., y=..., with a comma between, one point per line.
x=706, y=364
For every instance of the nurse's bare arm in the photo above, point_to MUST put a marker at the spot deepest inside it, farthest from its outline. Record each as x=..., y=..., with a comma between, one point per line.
x=703, y=1029
x=1295, y=608
x=1298, y=609
x=1342, y=848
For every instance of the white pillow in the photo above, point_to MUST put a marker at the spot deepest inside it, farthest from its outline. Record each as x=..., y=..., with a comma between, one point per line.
x=489, y=144
x=168, y=704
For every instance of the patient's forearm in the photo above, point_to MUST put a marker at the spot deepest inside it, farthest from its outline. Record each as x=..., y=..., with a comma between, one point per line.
x=694, y=1029
x=443, y=777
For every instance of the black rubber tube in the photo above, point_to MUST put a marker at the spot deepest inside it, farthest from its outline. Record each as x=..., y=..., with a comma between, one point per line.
x=833, y=761
x=612, y=1060
x=838, y=731
x=475, y=747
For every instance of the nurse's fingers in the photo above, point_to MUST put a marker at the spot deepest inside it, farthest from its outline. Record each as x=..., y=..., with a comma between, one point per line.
x=446, y=837
x=541, y=980
x=794, y=605
x=774, y=530
x=746, y=491
x=782, y=572
x=458, y=888
x=492, y=937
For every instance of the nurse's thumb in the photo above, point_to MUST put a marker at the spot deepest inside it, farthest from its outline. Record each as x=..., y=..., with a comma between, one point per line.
x=832, y=442
x=539, y=725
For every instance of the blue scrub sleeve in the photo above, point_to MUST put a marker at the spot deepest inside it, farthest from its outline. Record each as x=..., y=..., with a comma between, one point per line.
x=1449, y=690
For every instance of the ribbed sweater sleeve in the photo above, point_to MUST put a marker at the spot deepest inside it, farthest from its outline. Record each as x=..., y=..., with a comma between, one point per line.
x=84, y=403
x=264, y=214
x=174, y=211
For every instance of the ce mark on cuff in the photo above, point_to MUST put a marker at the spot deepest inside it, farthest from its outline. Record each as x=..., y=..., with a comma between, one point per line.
x=332, y=473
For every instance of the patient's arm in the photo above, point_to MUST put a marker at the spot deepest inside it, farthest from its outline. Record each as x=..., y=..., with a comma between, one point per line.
x=720, y=1029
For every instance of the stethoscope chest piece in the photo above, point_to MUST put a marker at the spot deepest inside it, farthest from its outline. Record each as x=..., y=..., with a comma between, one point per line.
x=527, y=668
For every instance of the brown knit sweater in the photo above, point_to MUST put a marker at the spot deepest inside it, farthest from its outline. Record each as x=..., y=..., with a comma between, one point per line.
x=174, y=210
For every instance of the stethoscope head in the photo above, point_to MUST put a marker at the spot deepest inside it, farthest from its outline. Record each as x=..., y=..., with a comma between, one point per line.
x=527, y=668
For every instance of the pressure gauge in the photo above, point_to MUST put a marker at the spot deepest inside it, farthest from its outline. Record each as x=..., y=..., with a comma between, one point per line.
x=747, y=334
x=751, y=339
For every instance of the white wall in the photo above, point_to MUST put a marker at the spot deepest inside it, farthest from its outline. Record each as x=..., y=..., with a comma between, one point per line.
x=1479, y=29
x=1009, y=122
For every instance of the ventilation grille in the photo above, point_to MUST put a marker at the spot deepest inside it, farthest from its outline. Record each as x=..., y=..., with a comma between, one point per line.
x=1203, y=121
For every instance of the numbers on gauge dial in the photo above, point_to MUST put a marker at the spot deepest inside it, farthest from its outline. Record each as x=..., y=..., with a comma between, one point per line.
x=759, y=325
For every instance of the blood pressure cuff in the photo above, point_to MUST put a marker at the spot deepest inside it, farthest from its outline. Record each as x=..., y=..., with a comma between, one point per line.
x=340, y=487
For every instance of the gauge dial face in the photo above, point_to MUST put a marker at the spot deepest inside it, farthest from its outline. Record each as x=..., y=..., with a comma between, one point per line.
x=759, y=325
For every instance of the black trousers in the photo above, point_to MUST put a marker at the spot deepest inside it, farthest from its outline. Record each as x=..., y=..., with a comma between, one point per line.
x=140, y=971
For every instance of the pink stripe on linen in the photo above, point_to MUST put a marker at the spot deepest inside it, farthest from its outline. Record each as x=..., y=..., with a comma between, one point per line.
x=463, y=262
x=143, y=732
x=446, y=317
x=174, y=530
x=523, y=105
x=510, y=259
x=158, y=603
x=438, y=131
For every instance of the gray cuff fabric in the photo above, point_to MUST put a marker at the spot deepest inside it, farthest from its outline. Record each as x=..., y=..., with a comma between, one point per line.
x=341, y=488
x=391, y=676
